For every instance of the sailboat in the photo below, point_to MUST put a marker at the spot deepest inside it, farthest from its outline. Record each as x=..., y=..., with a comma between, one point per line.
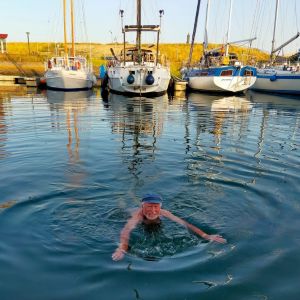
x=278, y=80
x=137, y=70
x=219, y=70
x=69, y=72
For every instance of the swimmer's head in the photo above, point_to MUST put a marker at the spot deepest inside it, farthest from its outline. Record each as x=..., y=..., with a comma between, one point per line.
x=152, y=198
x=151, y=205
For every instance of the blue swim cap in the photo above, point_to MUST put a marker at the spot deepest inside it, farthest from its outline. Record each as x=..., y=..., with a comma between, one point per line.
x=152, y=198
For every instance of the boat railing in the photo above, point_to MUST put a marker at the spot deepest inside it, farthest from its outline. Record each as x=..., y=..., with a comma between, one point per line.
x=135, y=57
x=68, y=63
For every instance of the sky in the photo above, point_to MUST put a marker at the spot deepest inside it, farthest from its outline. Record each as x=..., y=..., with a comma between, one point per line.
x=98, y=21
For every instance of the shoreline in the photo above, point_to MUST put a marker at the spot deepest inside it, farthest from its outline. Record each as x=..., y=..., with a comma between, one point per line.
x=26, y=69
x=32, y=64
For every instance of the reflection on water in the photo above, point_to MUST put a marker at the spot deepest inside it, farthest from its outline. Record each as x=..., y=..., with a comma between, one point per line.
x=226, y=111
x=276, y=100
x=7, y=204
x=2, y=129
x=137, y=115
x=231, y=104
x=73, y=166
x=72, y=104
x=67, y=98
x=8, y=95
x=220, y=103
x=139, y=122
x=12, y=91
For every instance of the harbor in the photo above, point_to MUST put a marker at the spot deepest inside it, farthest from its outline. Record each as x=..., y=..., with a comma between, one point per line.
x=149, y=150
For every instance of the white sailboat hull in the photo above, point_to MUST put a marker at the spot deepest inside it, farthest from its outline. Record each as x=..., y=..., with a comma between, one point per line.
x=118, y=75
x=284, y=82
x=232, y=84
x=69, y=79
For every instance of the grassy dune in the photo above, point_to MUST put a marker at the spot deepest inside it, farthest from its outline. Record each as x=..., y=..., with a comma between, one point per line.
x=175, y=55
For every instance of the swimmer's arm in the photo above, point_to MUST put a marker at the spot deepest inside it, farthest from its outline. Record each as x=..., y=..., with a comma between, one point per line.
x=125, y=234
x=212, y=237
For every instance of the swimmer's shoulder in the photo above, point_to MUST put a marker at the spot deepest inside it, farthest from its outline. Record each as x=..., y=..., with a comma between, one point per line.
x=165, y=213
x=137, y=214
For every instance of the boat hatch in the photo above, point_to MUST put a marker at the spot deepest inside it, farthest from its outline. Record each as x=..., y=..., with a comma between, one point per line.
x=248, y=73
x=226, y=73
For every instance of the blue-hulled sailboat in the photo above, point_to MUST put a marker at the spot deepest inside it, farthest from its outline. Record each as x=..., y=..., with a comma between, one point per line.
x=278, y=80
x=219, y=71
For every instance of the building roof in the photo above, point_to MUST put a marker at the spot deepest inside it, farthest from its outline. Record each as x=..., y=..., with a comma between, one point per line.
x=3, y=36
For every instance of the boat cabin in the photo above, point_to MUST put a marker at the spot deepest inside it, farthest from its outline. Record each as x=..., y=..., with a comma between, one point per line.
x=134, y=55
x=68, y=63
x=217, y=58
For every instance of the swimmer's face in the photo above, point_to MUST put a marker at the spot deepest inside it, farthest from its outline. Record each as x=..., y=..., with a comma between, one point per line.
x=151, y=210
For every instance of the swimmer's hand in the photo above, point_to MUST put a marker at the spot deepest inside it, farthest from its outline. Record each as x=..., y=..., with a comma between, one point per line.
x=216, y=238
x=118, y=254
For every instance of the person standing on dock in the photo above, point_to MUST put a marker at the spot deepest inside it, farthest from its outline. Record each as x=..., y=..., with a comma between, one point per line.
x=150, y=213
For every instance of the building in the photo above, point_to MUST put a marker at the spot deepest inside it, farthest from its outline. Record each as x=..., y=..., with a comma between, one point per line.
x=3, y=37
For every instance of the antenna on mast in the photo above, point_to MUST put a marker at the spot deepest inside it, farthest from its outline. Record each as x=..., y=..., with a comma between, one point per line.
x=161, y=13
x=121, y=12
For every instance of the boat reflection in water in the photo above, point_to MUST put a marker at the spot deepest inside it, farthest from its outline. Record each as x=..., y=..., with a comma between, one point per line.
x=65, y=108
x=139, y=121
x=220, y=103
x=217, y=117
x=277, y=109
x=137, y=114
x=69, y=98
x=288, y=101
x=231, y=104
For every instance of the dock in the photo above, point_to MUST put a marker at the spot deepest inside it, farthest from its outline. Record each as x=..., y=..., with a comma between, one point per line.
x=8, y=80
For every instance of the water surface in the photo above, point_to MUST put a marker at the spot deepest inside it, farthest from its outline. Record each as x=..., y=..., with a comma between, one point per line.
x=74, y=165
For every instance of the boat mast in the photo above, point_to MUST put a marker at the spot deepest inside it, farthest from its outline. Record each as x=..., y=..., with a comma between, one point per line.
x=72, y=28
x=161, y=12
x=124, y=38
x=194, y=33
x=228, y=30
x=274, y=50
x=138, y=33
x=205, y=42
x=274, y=31
x=65, y=29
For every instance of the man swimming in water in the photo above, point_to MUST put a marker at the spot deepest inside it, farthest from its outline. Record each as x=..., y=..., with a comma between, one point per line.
x=150, y=213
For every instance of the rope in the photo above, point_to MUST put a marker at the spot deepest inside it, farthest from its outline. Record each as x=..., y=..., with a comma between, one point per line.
x=175, y=78
x=20, y=69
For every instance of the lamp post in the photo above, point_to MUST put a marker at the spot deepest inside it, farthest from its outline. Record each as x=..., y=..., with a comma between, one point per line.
x=28, y=42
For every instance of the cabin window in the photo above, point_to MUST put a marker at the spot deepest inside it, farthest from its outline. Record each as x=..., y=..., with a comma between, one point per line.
x=248, y=73
x=226, y=73
x=203, y=73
